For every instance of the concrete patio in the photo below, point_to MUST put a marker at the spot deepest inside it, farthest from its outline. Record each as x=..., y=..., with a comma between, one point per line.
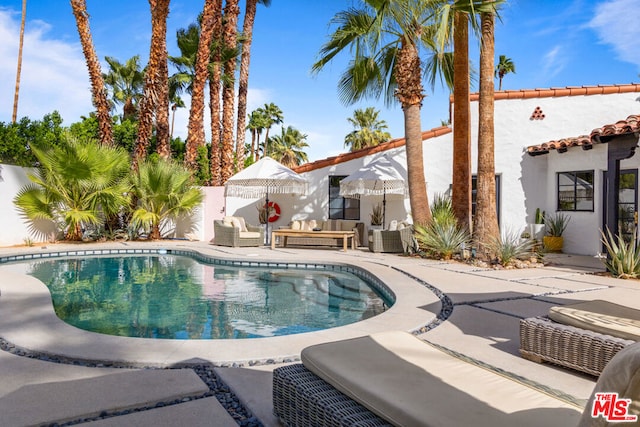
x=487, y=305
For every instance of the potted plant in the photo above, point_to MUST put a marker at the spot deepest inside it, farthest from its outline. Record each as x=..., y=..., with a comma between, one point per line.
x=556, y=224
x=537, y=228
x=376, y=216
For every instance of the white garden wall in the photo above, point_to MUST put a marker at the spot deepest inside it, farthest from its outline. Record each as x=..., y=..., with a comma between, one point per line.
x=15, y=230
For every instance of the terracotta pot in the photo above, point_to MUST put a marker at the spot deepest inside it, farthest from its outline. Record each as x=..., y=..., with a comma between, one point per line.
x=553, y=243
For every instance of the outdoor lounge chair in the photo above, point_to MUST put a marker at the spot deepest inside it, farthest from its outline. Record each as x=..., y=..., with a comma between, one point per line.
x=234, y=232
x=392, y=241
x=395, y=378
x=583, y=336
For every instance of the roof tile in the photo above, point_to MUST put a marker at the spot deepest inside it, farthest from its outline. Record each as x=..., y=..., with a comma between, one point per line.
x=621, y=127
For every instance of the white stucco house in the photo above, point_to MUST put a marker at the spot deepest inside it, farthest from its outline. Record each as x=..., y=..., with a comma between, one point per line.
x=553, y=148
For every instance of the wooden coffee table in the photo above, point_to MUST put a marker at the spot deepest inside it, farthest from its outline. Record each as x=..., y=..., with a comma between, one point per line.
x=324, y=234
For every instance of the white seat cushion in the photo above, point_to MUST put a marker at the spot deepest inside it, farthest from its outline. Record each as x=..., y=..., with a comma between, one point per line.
x=249, y=235
x=600, y=316
x=410, y=383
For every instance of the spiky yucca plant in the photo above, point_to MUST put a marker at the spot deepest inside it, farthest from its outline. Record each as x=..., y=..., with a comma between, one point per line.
x=624, y=257
x=442, y=239
x=442, y=210
x=509, y=247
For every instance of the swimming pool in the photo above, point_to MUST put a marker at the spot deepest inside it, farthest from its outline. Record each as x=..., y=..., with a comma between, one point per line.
x=174, y=296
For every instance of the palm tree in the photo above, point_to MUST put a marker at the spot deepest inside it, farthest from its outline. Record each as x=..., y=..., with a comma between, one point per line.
x=368, y=130
x=218, y=52
x=230, y=43
x=461, y=176
x=156, y=85
x=164, y=191
x=453, y=19
x=195, y=131
x=505, y=66
x=273, y=116
x=486, y=218
x=14, y=116
x=287, y=148
x=386, y=38
x=98, y=90
x=243, y=83
x=76, y=184
x=126, y=82
x=257, y=123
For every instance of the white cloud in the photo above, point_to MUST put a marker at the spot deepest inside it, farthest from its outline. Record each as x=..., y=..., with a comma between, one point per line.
x=54, y=75
x=553, y=62
x=616, y=24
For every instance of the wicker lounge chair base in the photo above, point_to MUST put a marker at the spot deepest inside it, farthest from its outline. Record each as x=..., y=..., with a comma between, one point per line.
x=543, y=340
x=301, y=398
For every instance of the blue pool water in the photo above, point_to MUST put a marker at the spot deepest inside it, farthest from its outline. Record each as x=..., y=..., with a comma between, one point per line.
x=177, y=297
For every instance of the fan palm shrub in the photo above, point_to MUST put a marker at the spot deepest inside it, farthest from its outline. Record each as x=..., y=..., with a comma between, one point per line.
x=442, y=210
x=75, y=185
x=164, y=191
x=624, y=256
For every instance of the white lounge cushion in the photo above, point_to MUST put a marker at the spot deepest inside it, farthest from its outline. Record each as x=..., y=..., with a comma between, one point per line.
x=410, y=383
x=393, y=225
x=295, y=225
x=249, y=235
x=600, y=316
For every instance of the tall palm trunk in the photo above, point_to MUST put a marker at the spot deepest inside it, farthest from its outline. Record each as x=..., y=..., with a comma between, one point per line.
x=409, y=77
x=163, y=138
x=215, y=81
x=153, y=79
x=486, y=219
x=14, y=116
x=195, y=131
x=243, y=84
x=461, y=188
x=98, y=90
x=163, y=131
x=230, y=31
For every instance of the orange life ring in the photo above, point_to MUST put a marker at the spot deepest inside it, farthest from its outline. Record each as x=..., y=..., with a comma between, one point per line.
x=275, y=213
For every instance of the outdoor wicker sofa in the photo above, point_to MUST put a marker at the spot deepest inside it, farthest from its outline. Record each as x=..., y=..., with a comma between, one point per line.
x=234, y=232
x=583, y=336
x=392, y=241
x=395, y=378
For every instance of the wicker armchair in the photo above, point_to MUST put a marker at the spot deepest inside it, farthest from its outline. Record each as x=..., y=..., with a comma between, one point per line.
x=397, y=241
x=228, y=235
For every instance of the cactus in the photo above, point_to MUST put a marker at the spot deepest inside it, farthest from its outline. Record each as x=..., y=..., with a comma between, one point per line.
x=540, y=216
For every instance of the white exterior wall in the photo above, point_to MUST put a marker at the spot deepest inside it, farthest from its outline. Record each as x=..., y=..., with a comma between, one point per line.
x=315, y=205
x=527, y=182
x=13, y=230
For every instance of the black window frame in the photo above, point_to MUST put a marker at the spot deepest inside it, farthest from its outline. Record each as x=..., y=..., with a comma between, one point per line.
x=568, y=195
x=349, y=208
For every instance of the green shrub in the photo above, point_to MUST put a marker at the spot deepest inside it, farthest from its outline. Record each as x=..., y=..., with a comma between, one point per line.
x=624, y=256
x=442, y=239
x=556, y=224
x=442, y=210
x=510, y=247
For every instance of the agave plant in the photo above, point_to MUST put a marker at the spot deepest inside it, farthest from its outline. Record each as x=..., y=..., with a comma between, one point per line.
x=624, y=256
x=164, y=191
x=442, y=239
x=509, y=247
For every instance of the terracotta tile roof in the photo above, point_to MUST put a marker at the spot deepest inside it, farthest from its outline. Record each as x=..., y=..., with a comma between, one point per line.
x=562, y=91
x=394, y=143
x=597, y=136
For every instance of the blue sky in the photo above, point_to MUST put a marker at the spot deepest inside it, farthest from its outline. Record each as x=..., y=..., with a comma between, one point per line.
x=553, y=43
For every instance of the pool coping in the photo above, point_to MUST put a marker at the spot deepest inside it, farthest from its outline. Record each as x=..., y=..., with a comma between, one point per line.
x=29, y=325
